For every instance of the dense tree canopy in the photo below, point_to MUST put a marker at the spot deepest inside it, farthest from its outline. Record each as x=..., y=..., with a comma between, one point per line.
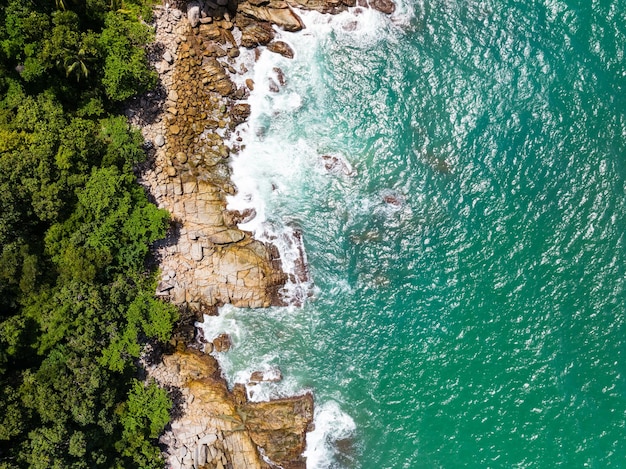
x=76, y=297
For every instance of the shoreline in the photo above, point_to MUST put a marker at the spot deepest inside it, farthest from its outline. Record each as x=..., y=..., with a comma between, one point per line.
x=206, y=260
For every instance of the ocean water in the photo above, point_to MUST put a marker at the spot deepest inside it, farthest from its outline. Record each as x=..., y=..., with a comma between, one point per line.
x=466, y=242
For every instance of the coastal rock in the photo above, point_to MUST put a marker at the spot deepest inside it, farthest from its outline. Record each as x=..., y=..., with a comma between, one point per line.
x=271, y=376
x=235, y=217
x=281, y=48
x=206, y=260
x=222, y=343
x=220, y=428
x=384, y=6
x=254, y=33
x=228, y=236
x=240, y=112
x=282, y=17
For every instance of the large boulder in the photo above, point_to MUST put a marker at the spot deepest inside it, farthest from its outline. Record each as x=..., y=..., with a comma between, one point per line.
x=281, y=48
x=193, y=13
x=284, y=18
x=384, y=6
x=254, y=33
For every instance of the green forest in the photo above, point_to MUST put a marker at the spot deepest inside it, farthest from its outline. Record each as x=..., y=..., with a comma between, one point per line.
x=76, y=288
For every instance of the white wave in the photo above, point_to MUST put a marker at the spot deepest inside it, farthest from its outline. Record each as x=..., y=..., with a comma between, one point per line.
x=213, y=326
x=271, y=167
x=331, y=425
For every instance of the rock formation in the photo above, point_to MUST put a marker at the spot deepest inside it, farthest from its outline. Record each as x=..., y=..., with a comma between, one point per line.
x=221, y=429
x=206, y=260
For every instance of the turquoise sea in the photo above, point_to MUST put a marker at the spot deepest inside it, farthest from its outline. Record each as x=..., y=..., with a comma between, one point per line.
x=466, y=251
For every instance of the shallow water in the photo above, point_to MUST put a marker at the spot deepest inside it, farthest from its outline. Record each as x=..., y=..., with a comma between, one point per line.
x=468, y=301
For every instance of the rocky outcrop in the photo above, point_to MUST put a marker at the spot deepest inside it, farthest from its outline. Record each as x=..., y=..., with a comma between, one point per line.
x=207, y=261
x=219, y=428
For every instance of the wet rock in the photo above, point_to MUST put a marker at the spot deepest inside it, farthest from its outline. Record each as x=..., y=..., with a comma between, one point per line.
x=272, y=86
x=282, y=48
x=250, y=84
x=384, y=6
x=271, y=376
x=337, y=165
x=240, y=112
x=222, y=343
x=255, y=33
x=235, y=217
x=393, y=199
x=280, y=75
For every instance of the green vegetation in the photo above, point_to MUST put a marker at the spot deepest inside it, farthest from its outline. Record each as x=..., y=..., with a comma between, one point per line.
x=76, y=297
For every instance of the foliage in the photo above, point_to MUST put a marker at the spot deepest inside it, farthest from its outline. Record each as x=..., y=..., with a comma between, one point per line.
x=76, y=298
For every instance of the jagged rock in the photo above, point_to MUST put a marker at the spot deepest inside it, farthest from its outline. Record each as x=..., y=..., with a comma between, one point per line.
x=281, y=48
x=164, y=287
x=284, y=18
x=240, y=112
x=273, y=86
x=211, y=260
x=210, y=31
x=384, y=6
x=272, y=376
x=280, y=75
x=229, y=427
x=222, y=343
x=235, y=217
x=254, y=33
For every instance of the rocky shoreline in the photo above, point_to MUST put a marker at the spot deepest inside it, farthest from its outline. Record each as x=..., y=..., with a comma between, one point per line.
x=206, y=260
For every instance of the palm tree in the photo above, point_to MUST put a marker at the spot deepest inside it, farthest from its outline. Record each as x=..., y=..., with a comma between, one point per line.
x=77, y=64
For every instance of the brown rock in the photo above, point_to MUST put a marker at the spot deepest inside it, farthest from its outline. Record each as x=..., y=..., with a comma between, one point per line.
x=254, y=33
x=250, y=84
x=240, y=112
x=284, y=18
x=384, y=6
x=229, y=236
x=222, y=343
x=210, y=31
x=282, y=48
x=235, y=217
x=272, y=376
x=279, y=427
x=280, y=75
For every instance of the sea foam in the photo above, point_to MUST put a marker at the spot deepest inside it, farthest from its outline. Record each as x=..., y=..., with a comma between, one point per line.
x=273, y=163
